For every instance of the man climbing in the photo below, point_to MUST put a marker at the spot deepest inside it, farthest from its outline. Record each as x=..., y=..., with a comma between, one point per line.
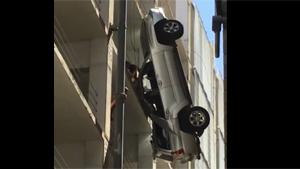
x=108, y=162
x=132, y=71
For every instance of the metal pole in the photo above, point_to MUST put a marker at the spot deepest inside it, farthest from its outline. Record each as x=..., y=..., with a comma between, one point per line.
x=120, y=105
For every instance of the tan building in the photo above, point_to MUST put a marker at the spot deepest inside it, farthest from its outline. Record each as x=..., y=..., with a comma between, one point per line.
x=84, y=71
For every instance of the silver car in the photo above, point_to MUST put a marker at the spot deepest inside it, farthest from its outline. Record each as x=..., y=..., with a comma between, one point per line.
x=163, y=92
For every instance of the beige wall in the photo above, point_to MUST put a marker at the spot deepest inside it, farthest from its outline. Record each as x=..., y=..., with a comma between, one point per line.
x=208, y=91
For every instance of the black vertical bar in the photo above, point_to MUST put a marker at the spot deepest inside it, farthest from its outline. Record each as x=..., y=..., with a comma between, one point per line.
x=224, y=15
x=120, y=105
x=225, y=85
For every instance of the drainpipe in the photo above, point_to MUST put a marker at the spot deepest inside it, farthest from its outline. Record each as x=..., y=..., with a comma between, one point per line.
x=120, y=105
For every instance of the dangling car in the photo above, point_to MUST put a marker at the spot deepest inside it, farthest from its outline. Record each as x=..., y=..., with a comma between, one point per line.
x=163, y=92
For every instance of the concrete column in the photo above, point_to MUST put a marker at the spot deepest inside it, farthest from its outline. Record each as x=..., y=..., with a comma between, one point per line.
x=145, y=159
x=98, y=79
x=110, y=55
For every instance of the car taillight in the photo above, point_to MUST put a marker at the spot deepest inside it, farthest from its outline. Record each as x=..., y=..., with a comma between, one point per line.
x=178, y=152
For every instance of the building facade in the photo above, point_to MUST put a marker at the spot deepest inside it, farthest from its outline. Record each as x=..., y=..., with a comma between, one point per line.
x=85, y=56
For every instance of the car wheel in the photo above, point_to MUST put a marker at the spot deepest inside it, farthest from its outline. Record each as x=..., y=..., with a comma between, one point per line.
x=194, y=120
x=167, y=31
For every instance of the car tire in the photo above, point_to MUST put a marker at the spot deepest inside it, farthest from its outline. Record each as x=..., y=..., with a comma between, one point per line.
x=167, y=31
x=194, y=120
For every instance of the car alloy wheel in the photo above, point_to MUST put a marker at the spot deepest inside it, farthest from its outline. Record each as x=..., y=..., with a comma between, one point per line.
x=193, y=120
x=168, y=30
x=171, y=27
x=197, y=118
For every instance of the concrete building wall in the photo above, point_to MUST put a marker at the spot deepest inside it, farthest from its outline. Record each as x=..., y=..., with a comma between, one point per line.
x=83, y=45
x=78, y=155
x=71, y=158
x=92, y=55
x=104, y=10
x=99, y=76
x=182, y=15
x=205, y=85
x=80, y=51
x=220, y=97
x=221, y=156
